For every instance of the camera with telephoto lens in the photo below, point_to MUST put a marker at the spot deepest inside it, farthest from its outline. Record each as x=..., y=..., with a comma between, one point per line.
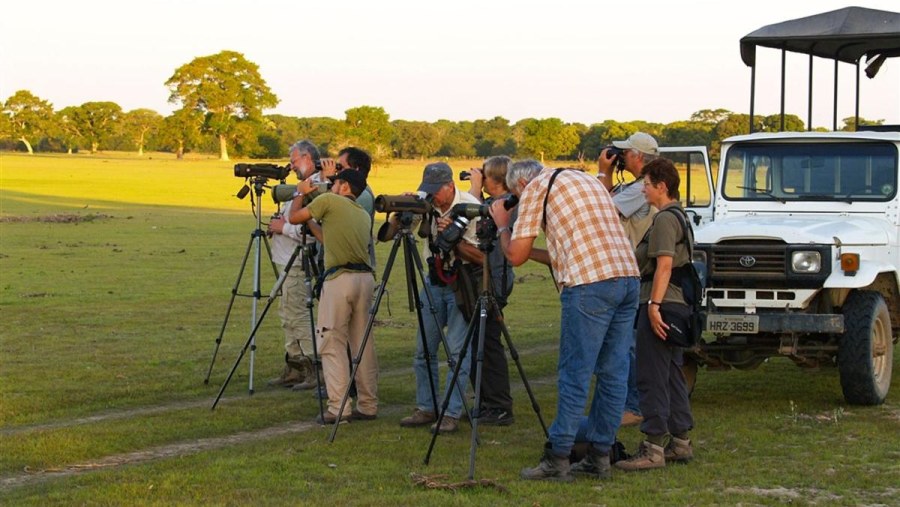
x=403, y=203
x=617, y=155
x=462, y=213
x=272, y=171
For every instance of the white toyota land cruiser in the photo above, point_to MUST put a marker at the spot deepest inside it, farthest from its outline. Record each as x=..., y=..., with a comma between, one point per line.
x=803, y=254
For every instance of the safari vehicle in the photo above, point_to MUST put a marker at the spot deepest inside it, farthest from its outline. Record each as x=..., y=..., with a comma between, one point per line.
x=803, y=256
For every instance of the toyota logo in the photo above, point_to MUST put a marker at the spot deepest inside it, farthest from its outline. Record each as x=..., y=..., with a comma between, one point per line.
x=748, y=261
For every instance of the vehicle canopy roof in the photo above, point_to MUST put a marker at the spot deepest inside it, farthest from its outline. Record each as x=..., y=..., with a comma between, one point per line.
x=845, y=35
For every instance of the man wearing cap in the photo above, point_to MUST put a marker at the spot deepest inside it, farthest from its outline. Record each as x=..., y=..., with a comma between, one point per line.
x=636, y=216
x=437, y=182
x=346, y=292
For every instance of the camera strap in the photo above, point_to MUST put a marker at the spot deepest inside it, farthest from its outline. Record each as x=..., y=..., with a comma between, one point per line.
x=544, y=217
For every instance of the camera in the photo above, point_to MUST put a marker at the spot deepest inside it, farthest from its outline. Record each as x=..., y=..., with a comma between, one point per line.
x=471, y=211
x=402, y=203
x=272, y=171
x=464, y=212
x=617, y=155
x=453, y=233
x=465, y=176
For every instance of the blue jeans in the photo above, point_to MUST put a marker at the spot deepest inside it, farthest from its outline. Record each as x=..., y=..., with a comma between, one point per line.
x=449, y=317
x=595, y=337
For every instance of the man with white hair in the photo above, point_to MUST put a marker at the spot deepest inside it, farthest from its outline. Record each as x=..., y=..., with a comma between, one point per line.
x=595, y=269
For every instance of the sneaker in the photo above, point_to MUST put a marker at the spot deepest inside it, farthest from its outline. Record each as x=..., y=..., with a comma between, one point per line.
x=448, y=425
x=550, y=468
x=649, y=456
x=330, y=418
x=593, y=465
x=679, y=450
x=289, y=378
x=496, y=417
x=418, y=418
x=356, y=415
x=630, y=418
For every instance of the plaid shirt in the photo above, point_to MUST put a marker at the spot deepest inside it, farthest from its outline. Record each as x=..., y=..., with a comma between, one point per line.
x=585, y=239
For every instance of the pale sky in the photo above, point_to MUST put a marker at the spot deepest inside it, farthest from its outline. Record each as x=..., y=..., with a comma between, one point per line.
x=581, y=61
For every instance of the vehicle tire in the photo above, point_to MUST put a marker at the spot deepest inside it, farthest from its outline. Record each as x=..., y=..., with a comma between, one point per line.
x=689, y=369
x=866, y=349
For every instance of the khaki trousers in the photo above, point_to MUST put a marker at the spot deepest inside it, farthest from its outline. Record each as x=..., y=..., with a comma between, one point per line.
x=294, y=314
x=343, y=312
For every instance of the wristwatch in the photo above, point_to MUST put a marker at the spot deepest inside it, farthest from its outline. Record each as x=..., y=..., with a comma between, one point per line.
x=501, y=229
x=652, y=302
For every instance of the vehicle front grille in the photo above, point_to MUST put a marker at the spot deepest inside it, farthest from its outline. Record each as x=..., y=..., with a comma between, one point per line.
x=761, y=264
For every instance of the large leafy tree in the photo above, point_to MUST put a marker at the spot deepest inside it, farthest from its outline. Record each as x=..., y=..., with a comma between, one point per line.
x=139, y=124
x=227, y=89
x=493, y=137
x=179, y=131
x=28, y=117
x=457, y=138
x=415, y=139
x=93, y=122
x=369, y=127
x=547, y=138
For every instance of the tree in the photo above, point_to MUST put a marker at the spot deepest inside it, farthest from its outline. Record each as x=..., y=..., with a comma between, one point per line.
x=687, y=133
x=179, y=131
x=547, y=138
x=93, y=122
x=712, y=116
x=226, y=88
x=138, y=124
x=415, y=139
x=369, y=128
x=850, y=123
x=28, y=117
x=457, y=138
x=493, y=137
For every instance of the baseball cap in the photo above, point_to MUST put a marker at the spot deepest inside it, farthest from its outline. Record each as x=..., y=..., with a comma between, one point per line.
x=355, y=178
x=641, y=142
x=435, y=176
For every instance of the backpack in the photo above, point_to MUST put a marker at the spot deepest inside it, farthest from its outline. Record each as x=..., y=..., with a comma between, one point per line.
x=691, y=278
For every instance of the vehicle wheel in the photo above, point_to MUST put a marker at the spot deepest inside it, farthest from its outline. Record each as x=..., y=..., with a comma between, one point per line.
x=866, y=349
x=689, y=368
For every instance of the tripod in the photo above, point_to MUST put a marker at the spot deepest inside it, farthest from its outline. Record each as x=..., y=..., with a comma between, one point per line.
x=486, y=304
x=306, y=248
x=258, y=237
x=413, y=265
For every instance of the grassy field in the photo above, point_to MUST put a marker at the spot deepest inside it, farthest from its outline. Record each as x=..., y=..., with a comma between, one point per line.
x=115, y=273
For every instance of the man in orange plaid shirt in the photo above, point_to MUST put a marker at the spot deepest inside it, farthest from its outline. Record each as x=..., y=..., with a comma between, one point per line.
x=593, y=264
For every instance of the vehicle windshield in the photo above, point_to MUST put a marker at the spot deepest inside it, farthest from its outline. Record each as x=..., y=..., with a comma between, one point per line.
x=787, y=172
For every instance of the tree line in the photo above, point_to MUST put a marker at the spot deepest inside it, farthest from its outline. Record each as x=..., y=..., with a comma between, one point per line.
x=222, y=98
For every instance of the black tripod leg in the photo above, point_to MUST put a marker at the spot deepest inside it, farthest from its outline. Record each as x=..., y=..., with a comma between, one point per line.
x=234, y=291
x=307, y=283
x=454, y=381
x=362, y=347
x=479, y=364
x=514, y=354
x=421, y=274
x=409, y=255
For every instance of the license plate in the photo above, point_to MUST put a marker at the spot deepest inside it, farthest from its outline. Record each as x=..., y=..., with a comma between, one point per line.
x=744, y=324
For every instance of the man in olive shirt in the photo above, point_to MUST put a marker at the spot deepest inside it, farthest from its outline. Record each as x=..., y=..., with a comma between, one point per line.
x=346, y=292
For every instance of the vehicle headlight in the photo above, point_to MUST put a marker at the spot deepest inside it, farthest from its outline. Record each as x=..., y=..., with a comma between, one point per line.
x=699, y=256
x=806, y=262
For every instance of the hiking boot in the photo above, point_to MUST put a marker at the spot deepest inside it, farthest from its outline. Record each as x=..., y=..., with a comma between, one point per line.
x=649, y=456
x=356, y=415
x=330, y=418
x=418, y=418
x=496, y=417
x=448, y=425
x=310, y=381
x=594, y=464
x=630, y=418
x=679, y=450
x=550, y=468
x=289, y=378
x=321, y=393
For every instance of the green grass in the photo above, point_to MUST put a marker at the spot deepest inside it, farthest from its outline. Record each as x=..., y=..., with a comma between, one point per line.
x=108, y=322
